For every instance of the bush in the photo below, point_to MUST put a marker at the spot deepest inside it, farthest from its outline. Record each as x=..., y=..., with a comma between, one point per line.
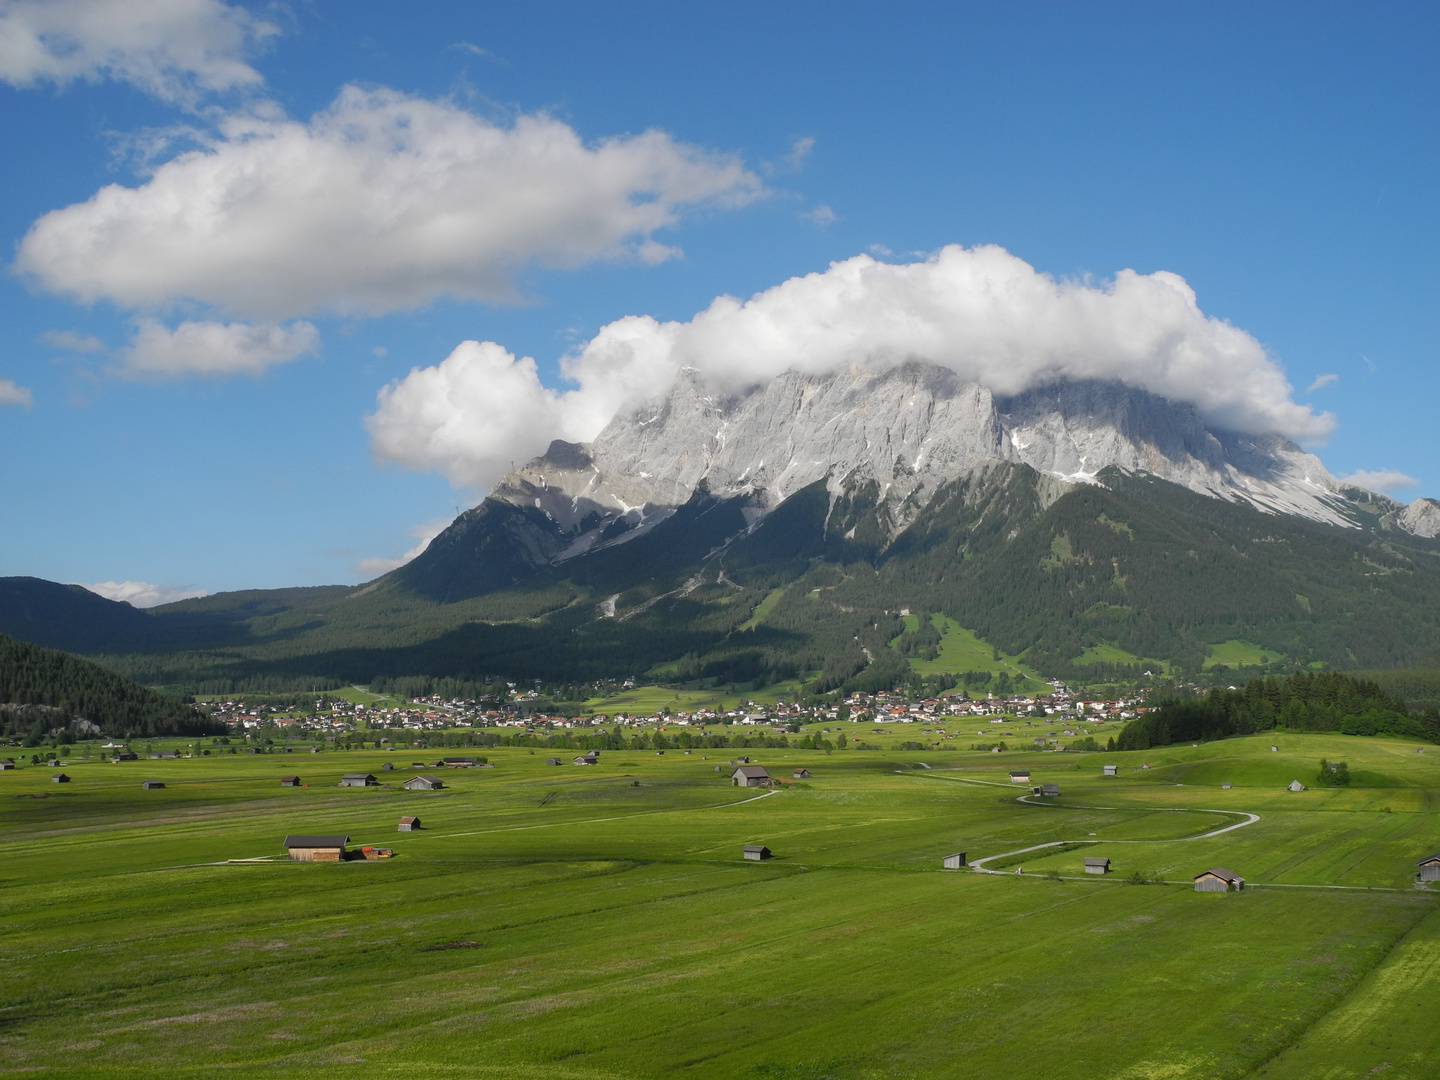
x=1337, y=775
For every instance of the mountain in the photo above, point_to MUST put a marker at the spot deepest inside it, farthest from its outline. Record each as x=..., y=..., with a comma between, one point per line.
x=849, y=530
x=892, y=437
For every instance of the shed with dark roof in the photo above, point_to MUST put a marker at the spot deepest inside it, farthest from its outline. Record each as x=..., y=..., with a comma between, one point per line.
x=59, y=778
x=317, y=848
x=424, y=782
x=289, y=781
x=756, y=852
x=1096, y=865
x=954, y=862
x=1429, y=868
x=409, y=824
x=151, y=785
x=358, y=779
x=750, y=776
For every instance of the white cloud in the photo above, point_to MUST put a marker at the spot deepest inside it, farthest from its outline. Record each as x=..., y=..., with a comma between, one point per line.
x=423, y=534
x=174, y=49
x=142, y=594
x=70, y=341
x=982, y=312
x=1322, y=381
x=213, y=348
x=822, y=215
x=382, y=202
x=10, y=394
x=1386, y=480
x=800, y=149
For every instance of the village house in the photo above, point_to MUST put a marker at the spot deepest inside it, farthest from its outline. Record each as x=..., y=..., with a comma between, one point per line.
x=1218, y=879
x=750, y=776
x=756, y=852
x=1097, y=865
x=358, y=779
x=409, y=824
x=954, y=862
x=316, y=848
x=424, y=782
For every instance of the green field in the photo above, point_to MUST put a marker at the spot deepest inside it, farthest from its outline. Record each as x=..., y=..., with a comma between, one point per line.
x=1241, y=654
x=568, y=922
x=961, y=651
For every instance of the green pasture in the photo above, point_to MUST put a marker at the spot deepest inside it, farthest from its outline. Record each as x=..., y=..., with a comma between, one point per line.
x=961, y=651
x=1241, y=654
x=599, y=922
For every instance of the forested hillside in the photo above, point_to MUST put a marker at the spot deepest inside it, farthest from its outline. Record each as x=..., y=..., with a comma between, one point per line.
x=1320, y=701
x=43, y=689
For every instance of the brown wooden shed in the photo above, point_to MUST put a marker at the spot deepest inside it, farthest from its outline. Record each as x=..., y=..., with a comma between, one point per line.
x=409, y=824
x=317, y=848
x=1428, y=869
x=1218, y=879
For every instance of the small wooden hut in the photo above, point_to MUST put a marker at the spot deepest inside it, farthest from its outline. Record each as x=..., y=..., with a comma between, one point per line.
x=1218, y=879
x=756, y=852
x=317, y=848
x=954, y=862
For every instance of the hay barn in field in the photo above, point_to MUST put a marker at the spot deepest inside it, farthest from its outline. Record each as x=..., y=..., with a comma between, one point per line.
x=151, y=785
x=756, y=852
x=289, y=781
x=954, y=862
x=409, y=824
x=59, y=778
x=1218, y=879
x=424, y=782
x=1097, y=865
x=750, y=776
x=316, y=848
x=1429, y=868
x=1111, y=770
x=1020, y=776
x=358, y=779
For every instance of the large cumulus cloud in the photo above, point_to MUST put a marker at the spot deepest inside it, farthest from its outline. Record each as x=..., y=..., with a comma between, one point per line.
x=982, y=312
x=382, y=202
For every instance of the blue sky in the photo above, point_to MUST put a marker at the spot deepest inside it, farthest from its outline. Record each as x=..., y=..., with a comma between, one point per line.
x=187, y=403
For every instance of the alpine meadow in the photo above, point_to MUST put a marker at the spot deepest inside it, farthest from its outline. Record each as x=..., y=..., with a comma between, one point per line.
x=581, y=542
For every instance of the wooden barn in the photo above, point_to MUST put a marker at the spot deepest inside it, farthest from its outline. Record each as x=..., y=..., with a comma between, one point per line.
x=409, y=824
x=1295, y=785
x=1050, y=789
x=289, y=781
x=801, y=774
x=358, y=779
x=1096, y=865
x=317, y=848
x=553, y=761
x=954, y=862
x=59, y=778
x=1429, y=869
x=590, y=757
x=756, y=852
x=424, y=782
x=1111, y=770
x=389, y=766
x=750, y=776
x=1218, y=879
x=6, y=763
x=151, y=785
x=1020, y=776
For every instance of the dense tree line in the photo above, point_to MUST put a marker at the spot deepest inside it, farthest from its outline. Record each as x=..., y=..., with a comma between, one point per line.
x=46, y=689
x=1309, y=701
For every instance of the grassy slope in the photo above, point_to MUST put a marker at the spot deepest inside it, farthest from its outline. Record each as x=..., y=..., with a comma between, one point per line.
x=619, y=935
x=961, y=651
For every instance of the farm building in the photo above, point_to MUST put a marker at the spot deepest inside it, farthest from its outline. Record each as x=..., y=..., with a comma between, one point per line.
x=801, y=774
x=6, y=763
x=750, y=776
x=358, y=779
x=424, y=783
x=151, y=785
x=1111, y=770
x=1225, y=786
x=126, y=755
x=553, y=761
x=1295, y=785
x=389, y=766
x=59, y=778
x=1022, y=776
x=1218, y=879
x=409, y=824
x=316, y=848
x=1429, y=869
x=756, y=852
x=289, y=781
x=954, y=862
x=1050, y=789
x=164, y=755
x=459, y=762
x=590, y=757
x=1096, y=865
x=1274, y=749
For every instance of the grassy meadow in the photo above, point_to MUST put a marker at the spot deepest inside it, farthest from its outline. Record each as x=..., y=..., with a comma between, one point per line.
x=599, y=922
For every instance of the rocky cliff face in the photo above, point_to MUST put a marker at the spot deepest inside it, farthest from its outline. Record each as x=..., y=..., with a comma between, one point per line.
x=903, y=432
